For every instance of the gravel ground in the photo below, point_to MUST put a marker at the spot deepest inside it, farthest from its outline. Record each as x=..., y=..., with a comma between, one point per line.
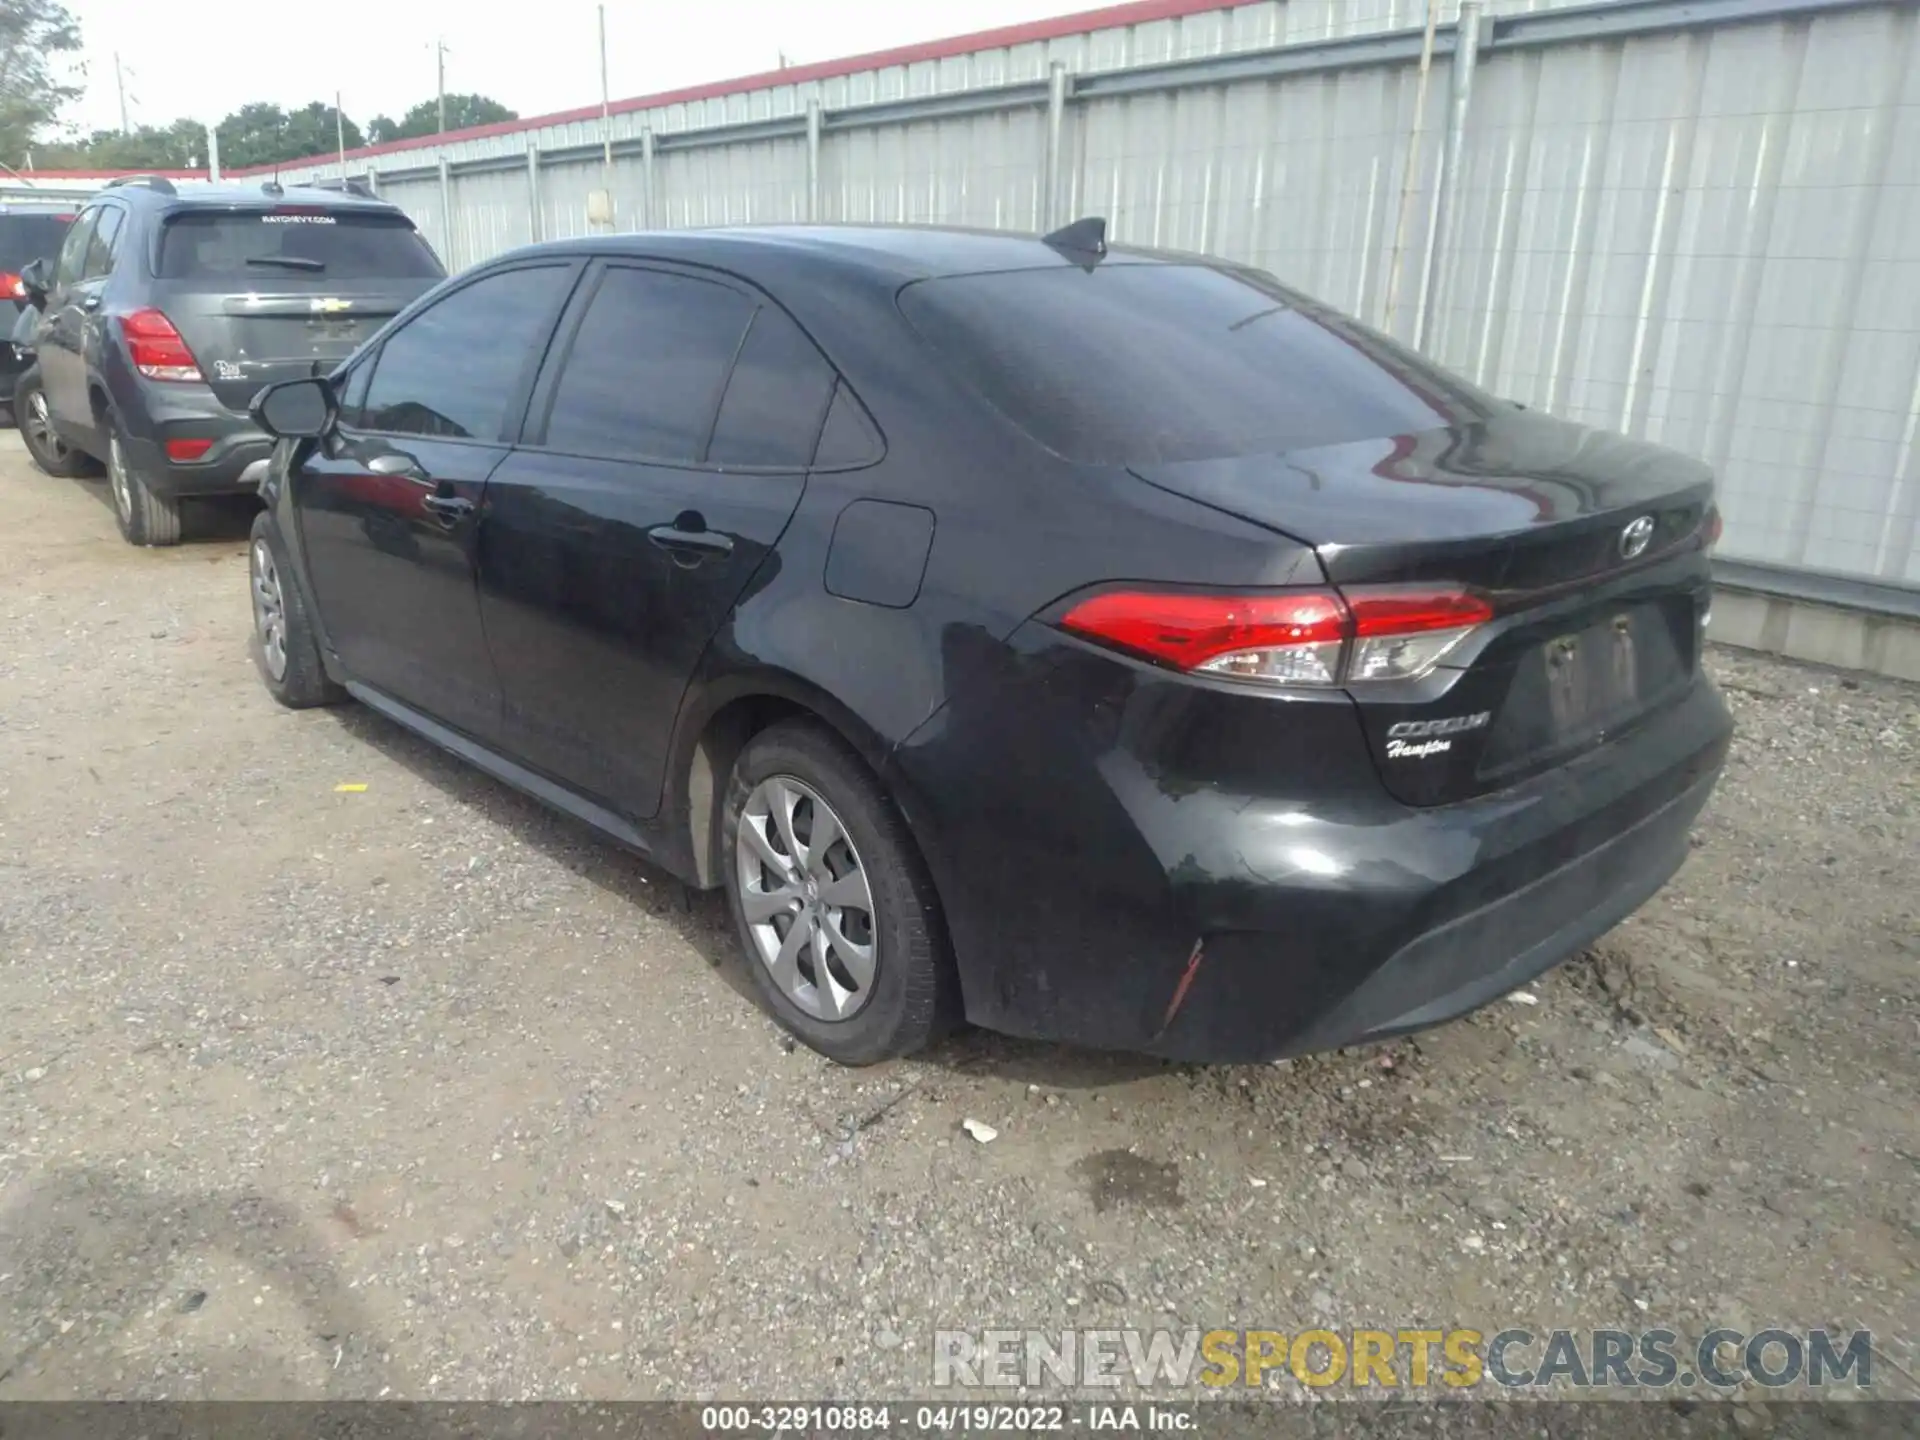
x=420, y=1091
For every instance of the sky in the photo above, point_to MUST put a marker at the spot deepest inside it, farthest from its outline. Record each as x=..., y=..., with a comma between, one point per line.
x=202, y=60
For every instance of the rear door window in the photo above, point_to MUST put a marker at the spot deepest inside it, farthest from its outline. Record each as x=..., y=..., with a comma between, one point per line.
x=455, y=370
x=1138, y=363
x=104, y=244
x=73, y=251
x=643, y=376
x=287, y=242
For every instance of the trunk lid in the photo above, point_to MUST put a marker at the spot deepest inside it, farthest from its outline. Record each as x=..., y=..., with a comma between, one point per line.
x=1593, y=629
x=280, y=292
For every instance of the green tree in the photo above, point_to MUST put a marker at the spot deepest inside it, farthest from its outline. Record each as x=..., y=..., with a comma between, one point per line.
x=264, y=134
x=463, y=112
x=180, y=146
x=35, y=38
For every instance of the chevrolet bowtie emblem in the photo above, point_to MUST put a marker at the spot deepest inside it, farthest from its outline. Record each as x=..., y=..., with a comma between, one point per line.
x=331, y=307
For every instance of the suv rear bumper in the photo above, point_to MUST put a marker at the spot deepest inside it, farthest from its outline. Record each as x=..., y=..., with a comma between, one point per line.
x=235, y=463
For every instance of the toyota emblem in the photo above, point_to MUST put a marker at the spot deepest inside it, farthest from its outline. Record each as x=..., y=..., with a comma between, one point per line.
x=1636, y=537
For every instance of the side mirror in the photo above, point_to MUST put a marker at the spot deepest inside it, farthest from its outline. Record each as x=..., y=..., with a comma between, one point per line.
x=34, y=284
x=294, y=409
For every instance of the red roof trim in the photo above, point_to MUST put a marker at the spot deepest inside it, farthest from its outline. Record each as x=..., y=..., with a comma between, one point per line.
x=27, y=177
x=1138, y=12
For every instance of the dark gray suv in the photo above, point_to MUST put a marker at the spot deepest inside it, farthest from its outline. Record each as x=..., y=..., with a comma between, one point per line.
x=170, y=306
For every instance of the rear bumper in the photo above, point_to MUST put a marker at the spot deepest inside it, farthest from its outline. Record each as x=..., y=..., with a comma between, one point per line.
x=1136, y=862
x=236, y=461
x=1476, y=958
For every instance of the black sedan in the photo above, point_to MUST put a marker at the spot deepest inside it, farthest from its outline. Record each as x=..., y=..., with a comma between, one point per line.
x=1095, y=644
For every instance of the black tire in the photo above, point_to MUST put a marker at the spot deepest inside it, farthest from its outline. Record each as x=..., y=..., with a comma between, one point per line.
x=144, y=517
x=47, y=450
x=913, y=997
x=302, y=680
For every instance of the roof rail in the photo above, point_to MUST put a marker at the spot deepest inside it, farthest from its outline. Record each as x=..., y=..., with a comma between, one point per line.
x=159, y=184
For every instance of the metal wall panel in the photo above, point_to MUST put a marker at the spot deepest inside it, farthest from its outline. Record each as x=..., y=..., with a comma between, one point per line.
x=1708, y=234
x=1709, y=238
x=976, y=170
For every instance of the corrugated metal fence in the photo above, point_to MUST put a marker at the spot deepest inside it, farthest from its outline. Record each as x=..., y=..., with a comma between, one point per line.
x=1694, y=220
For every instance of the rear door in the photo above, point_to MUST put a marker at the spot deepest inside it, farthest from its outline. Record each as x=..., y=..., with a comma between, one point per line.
x=667, y=446
x=389, y=505
x=63, y=330
x=281, y=291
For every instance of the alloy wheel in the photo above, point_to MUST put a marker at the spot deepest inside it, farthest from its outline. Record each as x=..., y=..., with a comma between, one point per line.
x=40, y=432
x=269, y=609
x=119, y=481
x=807, y=902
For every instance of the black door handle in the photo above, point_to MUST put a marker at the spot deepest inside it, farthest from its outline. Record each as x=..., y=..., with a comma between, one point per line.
x=450, y=508
x=696, y=543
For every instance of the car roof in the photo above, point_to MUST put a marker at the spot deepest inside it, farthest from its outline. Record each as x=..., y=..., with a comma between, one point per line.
x=207, y=195
x=899, y=253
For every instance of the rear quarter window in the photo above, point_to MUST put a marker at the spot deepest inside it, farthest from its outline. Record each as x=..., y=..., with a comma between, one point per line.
x=288, y=243
x=1139, y=363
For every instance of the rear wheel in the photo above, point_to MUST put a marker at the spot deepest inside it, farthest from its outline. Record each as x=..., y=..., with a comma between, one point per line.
x=145, y=518
x=43, y=442
x=839, y=922
x=285, y=646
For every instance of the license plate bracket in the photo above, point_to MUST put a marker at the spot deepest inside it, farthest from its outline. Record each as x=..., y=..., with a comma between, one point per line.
x=1593, y=675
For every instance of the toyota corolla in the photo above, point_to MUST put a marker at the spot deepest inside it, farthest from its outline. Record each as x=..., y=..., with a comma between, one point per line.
x=1089, y=643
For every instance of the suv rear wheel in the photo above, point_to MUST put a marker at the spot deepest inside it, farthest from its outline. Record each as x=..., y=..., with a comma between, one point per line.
x=49, y=451
x=836, y=914
x=145, y=518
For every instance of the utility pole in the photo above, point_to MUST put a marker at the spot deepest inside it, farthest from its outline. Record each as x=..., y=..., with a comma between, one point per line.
x=340, y=134
x=606, y=108
x=213, y=153
x=120, y=85
x=440, y=54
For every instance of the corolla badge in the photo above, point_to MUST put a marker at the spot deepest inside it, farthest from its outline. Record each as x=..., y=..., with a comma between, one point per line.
x=1636, y=537
x=1417, y=739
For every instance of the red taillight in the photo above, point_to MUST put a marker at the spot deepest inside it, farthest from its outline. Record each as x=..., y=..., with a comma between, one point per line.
x=157, y=349
x=11, y=284
x=1301, y=637
x=182, y=450
x=1710, y=528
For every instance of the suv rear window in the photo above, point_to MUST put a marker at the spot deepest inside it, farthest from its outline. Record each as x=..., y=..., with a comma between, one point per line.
x=26, y=238
x=1138, y=363
x=290, y=242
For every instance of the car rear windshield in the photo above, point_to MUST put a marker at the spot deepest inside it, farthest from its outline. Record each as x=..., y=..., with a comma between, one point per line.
x=284, y=244
x=1135, y=363
x=26, y=238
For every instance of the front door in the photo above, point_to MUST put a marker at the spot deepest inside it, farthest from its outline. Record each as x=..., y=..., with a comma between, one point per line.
x=666, y=450
x=389, y=505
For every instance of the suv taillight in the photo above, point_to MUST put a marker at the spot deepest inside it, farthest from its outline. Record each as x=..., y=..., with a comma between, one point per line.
x=1359, y=636
x=156, y=347
x=12, y=286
